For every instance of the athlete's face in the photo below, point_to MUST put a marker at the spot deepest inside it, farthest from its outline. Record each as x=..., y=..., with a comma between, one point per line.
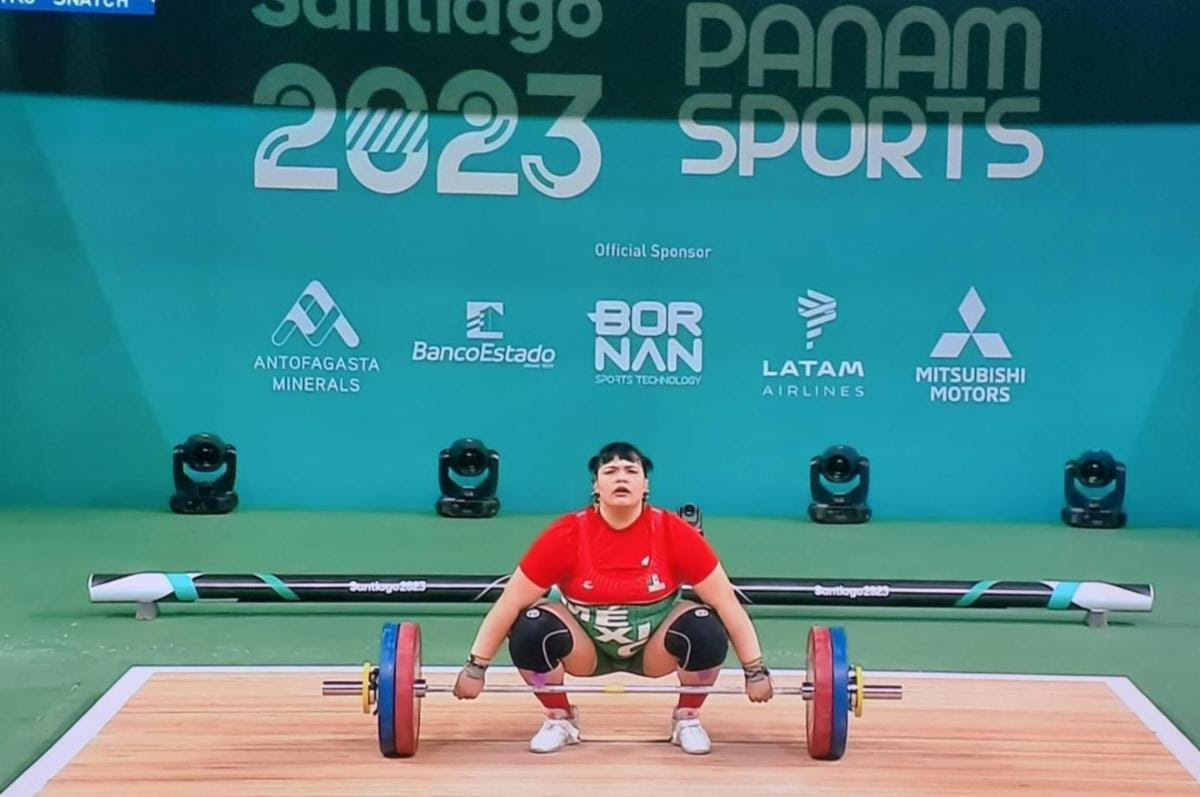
x=621, y=482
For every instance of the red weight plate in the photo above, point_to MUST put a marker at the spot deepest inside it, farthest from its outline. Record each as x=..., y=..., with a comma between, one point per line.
x=818, y=712
x=408, y=705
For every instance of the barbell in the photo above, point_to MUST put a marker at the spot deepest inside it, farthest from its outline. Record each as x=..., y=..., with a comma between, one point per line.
x=148, y=589
x=833, y=689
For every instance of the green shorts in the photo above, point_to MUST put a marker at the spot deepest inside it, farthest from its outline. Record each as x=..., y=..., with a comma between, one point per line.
x=620, y=633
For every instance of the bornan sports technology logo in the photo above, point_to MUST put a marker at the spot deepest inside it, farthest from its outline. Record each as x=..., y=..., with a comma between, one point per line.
x=483, y=325
x=810, y=377
x=970, y=384
x=648, y=343
x=315, y=319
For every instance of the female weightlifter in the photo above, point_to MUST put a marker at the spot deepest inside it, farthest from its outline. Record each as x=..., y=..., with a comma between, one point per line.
x=619, y=565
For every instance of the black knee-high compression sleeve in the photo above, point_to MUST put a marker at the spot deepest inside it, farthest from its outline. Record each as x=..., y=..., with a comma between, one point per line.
x=697, y=640
x=539, y=640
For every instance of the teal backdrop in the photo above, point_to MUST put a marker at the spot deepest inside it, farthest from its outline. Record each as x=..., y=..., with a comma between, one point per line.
x=961, y=239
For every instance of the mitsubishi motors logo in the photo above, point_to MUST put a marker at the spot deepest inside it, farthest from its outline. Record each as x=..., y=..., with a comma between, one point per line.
x=315, y=315
x=951, y=344
x=298, y=369
x=970, y=384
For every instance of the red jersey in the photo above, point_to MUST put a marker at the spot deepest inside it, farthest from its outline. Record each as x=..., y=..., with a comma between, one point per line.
x=591, y=562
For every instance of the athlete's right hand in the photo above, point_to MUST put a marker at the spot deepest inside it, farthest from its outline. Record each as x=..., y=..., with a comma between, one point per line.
x=760, y=690
x=468, y=686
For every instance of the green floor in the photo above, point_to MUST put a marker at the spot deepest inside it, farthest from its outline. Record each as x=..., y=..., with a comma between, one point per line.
x=59, y=653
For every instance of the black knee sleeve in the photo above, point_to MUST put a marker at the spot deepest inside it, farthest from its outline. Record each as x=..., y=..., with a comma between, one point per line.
x=697, y=639
x=539, y=640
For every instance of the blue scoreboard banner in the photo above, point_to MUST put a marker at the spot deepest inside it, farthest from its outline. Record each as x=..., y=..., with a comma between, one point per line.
x=139, y=7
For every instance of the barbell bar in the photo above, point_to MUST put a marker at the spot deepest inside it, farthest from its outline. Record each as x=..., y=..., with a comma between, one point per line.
x=147, y=589
x=422, y=688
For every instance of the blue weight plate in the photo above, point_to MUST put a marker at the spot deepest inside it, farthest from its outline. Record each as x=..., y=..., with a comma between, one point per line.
x=841, y=694
x=385, y=696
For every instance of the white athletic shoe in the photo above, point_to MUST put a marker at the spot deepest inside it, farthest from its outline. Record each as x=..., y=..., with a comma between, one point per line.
x=559, y=730
x=689, y=734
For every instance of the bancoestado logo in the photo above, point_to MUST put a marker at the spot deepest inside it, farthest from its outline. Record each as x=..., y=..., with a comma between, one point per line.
x=388, y=587
x=842, y=591
x=648, y=343
x=809, y=377
x=316, y=319
x=484, y=335
x=967, y=384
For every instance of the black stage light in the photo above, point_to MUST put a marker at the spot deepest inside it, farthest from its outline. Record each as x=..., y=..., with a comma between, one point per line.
x=692, y=514
x=471, y=459
x=1095, y=490
x=204, y=454
x=850, y=471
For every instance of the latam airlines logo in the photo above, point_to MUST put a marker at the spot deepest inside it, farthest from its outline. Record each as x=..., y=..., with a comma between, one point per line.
x=317, y=320
x=808, y=377
x=967, y=384
x=817, y=310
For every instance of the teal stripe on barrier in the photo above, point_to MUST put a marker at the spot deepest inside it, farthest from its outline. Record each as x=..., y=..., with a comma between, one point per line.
x=1063, y=593
x=281, y=589
x=974, y=592
x=185, y=590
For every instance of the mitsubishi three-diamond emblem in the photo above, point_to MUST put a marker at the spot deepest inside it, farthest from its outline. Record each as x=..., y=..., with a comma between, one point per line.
x=990, y=344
